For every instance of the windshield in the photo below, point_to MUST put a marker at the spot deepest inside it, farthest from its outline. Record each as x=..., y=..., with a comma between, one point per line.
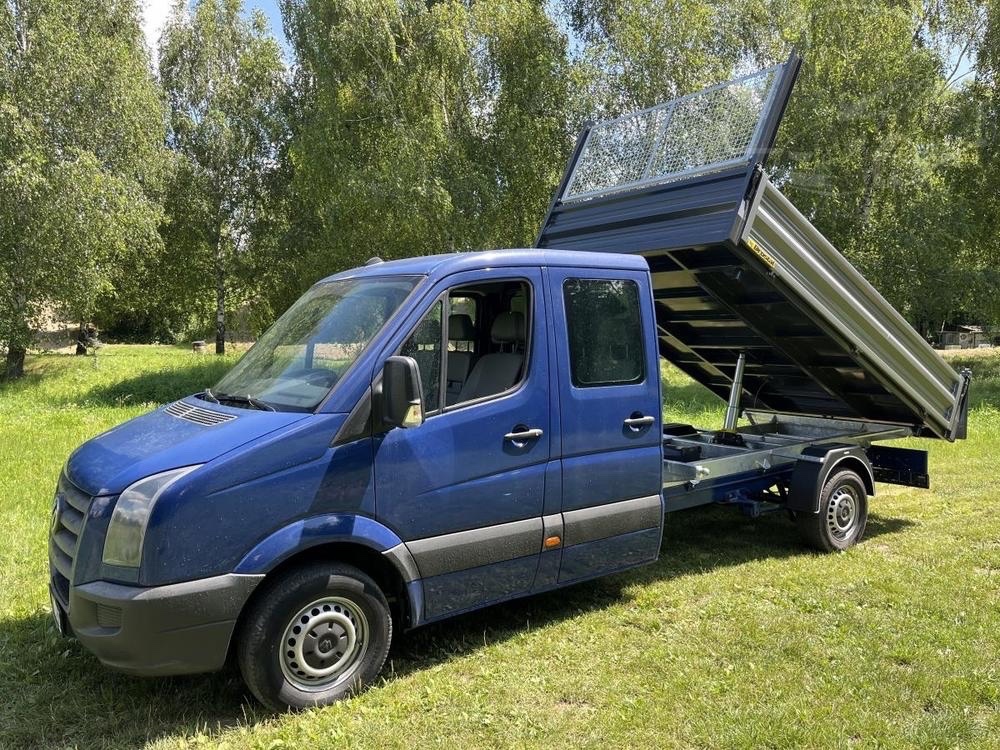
x=301, y=357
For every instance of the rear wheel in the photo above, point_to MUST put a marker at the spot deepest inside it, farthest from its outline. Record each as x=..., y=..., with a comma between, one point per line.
x=843, y=514
x=315, y=635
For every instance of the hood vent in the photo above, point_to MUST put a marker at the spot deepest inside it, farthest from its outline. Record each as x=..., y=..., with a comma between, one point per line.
x=196, y=414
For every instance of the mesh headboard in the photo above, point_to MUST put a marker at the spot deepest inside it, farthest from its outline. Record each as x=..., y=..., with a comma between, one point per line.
x=707, y=131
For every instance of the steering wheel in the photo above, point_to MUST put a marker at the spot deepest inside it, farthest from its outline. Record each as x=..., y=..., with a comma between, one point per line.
x=318, y=376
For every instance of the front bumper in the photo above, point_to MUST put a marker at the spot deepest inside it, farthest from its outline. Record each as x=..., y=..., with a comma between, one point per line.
x=182, y=628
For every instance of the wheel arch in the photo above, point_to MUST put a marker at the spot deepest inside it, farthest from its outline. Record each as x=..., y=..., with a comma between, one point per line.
x=818, y=464
x=363, y=557
x=355, y=540
x=860, y=467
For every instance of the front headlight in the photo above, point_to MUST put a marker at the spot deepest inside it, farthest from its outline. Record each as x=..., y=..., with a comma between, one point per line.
x=127, y=530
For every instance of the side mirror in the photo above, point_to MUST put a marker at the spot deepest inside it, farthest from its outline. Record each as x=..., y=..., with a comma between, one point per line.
x=402, y=405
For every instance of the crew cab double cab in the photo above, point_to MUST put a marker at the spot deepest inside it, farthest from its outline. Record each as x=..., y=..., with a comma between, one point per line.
x=419, y=438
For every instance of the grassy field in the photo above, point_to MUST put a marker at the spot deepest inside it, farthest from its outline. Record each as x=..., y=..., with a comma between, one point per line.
x=739, y=637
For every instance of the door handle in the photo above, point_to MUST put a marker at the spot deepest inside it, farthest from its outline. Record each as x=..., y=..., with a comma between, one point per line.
x=522, y=434
x=638, y=422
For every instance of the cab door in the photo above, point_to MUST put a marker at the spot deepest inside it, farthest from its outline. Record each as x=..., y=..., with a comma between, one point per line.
x=609, y=396
x=465, y=489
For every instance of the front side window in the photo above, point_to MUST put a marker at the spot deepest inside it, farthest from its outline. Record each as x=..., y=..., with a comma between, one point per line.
x=424, y=345
x=472, y=344
x=605, y=331
x=293, y=366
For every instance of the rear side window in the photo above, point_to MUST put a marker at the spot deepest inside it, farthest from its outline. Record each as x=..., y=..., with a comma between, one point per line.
x=605, y=332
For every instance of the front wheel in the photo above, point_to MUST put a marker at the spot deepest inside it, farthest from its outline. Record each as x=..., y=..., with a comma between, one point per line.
x=842, y=517
x=315, y=635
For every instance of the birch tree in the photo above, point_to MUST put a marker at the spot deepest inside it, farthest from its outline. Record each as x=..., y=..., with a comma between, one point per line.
x=224, y=81
x=422, y=127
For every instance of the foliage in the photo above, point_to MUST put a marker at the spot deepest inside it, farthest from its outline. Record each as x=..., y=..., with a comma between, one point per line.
x=873, y=150
x=225, y=81
x=879, y=146
x=407, y=127
x=637, y=54
x=422, y=127
x=81, y=136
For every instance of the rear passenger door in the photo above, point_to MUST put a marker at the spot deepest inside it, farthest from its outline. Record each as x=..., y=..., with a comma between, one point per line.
x=609, y=395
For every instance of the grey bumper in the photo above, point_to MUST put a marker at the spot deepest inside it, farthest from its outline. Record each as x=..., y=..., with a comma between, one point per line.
x=182, y=628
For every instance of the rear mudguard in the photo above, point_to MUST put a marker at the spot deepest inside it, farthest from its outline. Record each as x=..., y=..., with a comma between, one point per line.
x=816, y=464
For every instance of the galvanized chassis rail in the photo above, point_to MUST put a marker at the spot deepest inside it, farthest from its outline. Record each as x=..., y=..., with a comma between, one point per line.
x=768, y=453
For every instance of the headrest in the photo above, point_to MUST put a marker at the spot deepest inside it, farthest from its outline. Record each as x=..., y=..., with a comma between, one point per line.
x=508, y=328
x=460, y=328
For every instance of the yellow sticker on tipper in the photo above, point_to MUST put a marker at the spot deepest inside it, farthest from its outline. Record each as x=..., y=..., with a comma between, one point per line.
x=766, y=258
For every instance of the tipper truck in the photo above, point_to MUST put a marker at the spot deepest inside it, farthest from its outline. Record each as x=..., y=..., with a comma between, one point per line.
x=420, y=438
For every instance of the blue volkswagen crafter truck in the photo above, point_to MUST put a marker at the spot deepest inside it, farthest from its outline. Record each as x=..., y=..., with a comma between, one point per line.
x=419, y=438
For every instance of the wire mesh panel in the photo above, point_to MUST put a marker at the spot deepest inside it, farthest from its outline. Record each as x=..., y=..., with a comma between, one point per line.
x=697, y=133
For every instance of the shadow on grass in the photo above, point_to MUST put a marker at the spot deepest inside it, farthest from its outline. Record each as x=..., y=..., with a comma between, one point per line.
x=36, y=369
x=162, y=386
x=695, y=542
x=57, y=694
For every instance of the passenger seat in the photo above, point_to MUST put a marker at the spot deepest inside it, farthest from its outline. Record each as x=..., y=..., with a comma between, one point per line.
x=495, y=373
x=460, y=328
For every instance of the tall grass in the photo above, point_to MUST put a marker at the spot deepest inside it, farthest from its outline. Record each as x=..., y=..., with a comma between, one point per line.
x=738, y=637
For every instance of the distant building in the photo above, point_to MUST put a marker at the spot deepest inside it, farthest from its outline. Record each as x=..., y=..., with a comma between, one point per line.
x=964, y=337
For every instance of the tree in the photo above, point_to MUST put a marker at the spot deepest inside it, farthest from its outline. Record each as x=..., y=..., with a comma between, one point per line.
x=880, y=145
x=637, y=54
x=81, y=132
x=422, y=127
x=874, y=149
x=225, y=82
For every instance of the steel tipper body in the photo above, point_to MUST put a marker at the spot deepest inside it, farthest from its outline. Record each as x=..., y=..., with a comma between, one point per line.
x=755, y=304
x=420, y=438
x=737, y=269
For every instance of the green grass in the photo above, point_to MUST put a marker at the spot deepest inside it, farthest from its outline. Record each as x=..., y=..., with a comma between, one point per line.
x=738, y=637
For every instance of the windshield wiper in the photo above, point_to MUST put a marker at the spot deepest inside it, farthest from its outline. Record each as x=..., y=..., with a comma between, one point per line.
x=207, y=395
x=256, y=403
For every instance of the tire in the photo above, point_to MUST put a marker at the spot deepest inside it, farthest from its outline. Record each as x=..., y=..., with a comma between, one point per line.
x=314, y=635
x=842, y=517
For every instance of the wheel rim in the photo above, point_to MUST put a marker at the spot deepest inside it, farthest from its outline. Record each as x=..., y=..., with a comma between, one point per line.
x=324, y=643
x=843, y=512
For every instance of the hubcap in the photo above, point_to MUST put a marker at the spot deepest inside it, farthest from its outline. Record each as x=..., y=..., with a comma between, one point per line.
x=843, y=512
x=324, y=643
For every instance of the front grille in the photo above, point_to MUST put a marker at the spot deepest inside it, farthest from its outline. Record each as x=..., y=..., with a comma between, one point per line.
x=71, y=510
x=196, y=414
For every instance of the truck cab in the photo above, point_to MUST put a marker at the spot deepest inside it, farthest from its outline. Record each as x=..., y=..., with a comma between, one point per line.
x=433, y=435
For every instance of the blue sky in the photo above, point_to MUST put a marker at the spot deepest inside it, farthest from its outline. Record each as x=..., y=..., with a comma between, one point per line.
x=155, y=13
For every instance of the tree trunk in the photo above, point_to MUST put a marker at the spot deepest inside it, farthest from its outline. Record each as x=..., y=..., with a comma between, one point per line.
x=19, y=336
x=15, y=361
x=867, y=198
x=220, y=300
x=81, y=341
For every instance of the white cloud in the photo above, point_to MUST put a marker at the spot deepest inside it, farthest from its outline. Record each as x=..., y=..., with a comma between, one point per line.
x=154, y=17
